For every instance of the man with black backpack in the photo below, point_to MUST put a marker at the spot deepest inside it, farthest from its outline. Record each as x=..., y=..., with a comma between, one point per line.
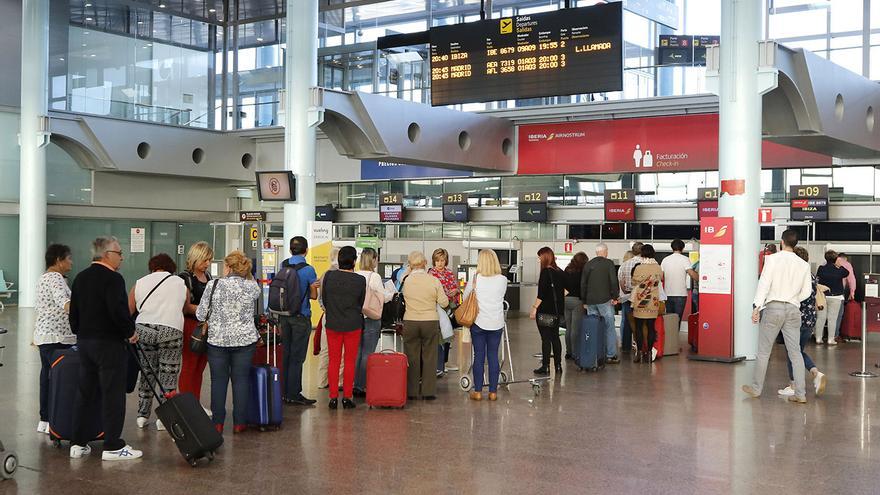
x=290, y=292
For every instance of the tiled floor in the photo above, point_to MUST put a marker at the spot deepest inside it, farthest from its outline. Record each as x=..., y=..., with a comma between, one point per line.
x=676, y=426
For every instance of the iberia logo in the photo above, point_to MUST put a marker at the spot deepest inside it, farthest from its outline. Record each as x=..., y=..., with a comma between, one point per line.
x=721, y=232
x=551, y=136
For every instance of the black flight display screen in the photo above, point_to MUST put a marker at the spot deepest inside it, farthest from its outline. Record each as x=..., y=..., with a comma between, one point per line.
x=564, y=52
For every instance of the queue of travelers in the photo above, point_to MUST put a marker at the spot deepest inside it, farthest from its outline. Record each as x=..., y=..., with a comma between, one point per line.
x=162, y=314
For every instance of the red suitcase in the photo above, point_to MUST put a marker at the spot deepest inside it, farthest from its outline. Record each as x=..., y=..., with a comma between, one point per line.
x=851, y=326
x=694, y=331
x=386, y=379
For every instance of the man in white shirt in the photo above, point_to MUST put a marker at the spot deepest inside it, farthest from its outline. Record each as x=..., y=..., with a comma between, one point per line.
x=675, y=273
x=784, y=283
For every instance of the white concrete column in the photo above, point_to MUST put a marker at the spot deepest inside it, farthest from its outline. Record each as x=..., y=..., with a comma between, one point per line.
x=33, y=138
x=740, y=155
x=301, y=74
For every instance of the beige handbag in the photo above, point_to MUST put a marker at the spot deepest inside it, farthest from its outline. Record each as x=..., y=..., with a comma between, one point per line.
x=466, y=314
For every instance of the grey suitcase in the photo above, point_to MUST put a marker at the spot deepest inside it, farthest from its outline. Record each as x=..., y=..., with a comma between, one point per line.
x=591, y=343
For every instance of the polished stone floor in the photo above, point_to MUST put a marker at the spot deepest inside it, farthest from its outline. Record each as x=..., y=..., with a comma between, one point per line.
x=676, y=426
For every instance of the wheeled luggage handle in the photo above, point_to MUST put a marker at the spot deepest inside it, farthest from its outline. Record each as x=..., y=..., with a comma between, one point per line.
x=150, y=374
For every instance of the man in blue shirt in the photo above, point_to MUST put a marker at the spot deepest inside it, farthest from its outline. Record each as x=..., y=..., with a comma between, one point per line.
x=296, y=329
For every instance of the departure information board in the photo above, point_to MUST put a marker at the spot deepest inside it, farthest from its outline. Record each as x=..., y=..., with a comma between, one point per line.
x=809, y=202
x=564, y=52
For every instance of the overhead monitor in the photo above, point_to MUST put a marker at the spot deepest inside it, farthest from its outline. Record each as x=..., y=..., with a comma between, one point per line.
x=620, y=205
x=563, y=52
x=390, y=213
x=533, y=212
x=326, y=213
x=276, y=186
x=455, y=213
x=809, y=202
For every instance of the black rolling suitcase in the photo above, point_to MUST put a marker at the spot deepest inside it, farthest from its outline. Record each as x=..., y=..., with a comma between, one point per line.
x=183, y=417
x=63, y=389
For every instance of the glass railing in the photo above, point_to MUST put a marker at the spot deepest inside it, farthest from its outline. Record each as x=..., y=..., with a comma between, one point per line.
x=132, y=111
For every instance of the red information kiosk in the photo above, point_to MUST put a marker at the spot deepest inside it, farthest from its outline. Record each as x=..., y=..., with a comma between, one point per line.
x=716, y=292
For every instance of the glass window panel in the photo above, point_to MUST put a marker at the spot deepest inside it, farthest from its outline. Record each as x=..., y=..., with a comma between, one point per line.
x=589, y=189
x=359, y=195
x=794, y=24
x=512, y=186
x=638, y=230
x=846, y=15
x=857, y=182
x=843, y=231
x=327, y=194
x=426, y=193
x=487, y=190
x=528, y=231
x=421, y=231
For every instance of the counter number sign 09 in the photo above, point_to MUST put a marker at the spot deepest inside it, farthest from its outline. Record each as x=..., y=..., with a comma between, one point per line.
x=809, y=191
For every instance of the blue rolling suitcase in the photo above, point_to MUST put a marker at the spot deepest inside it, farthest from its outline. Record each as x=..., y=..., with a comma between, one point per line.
x=264, y=407
x=591, y=344
x=63, y=391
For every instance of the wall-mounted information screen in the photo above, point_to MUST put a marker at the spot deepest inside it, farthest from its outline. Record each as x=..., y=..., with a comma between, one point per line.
x=809, y=202
x=564, y=52
x=391, y=213
x=620, y=205
x=455, y=213
x=533, y=212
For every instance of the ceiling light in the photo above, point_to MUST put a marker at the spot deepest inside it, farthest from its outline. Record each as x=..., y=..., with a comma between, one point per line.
x=149, y=44
x=140, y=22
x=259, y=39
x=88, y=5
x=61, y=59
x=161, y=5
x=212, y=10
x=89, y=19
x=85, y=32
x=92, y=55
x=83, y=44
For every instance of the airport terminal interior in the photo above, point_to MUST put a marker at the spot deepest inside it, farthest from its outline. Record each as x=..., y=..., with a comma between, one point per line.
x=500, y=137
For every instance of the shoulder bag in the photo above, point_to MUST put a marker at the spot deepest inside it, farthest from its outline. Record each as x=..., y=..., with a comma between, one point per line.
x=373, y=301
x=198, y=343
x=547, y=319
x=466, y=314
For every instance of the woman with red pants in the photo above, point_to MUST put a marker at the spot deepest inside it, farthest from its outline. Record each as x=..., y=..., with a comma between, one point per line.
x=196, y=278
x=344, y=292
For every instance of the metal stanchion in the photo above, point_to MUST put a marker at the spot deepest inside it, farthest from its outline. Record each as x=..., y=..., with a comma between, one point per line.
x=864, y=373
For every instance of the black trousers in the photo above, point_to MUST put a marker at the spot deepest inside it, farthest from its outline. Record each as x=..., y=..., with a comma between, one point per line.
x=103, y=366
x=645, y=333
x=46, y=353
x=550, y=339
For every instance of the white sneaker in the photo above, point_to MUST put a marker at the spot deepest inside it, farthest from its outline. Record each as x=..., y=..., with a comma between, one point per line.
x=653, y=354
x=77, y=452
x=159, y=425
x=126, y=453
x=142, y=422
x=819, y=382
x=786, y=392
x=43, y=427
x=452, y=368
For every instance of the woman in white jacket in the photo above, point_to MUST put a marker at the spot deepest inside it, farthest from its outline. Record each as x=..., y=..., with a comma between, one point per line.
x=486, y=332
x=367, y=264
